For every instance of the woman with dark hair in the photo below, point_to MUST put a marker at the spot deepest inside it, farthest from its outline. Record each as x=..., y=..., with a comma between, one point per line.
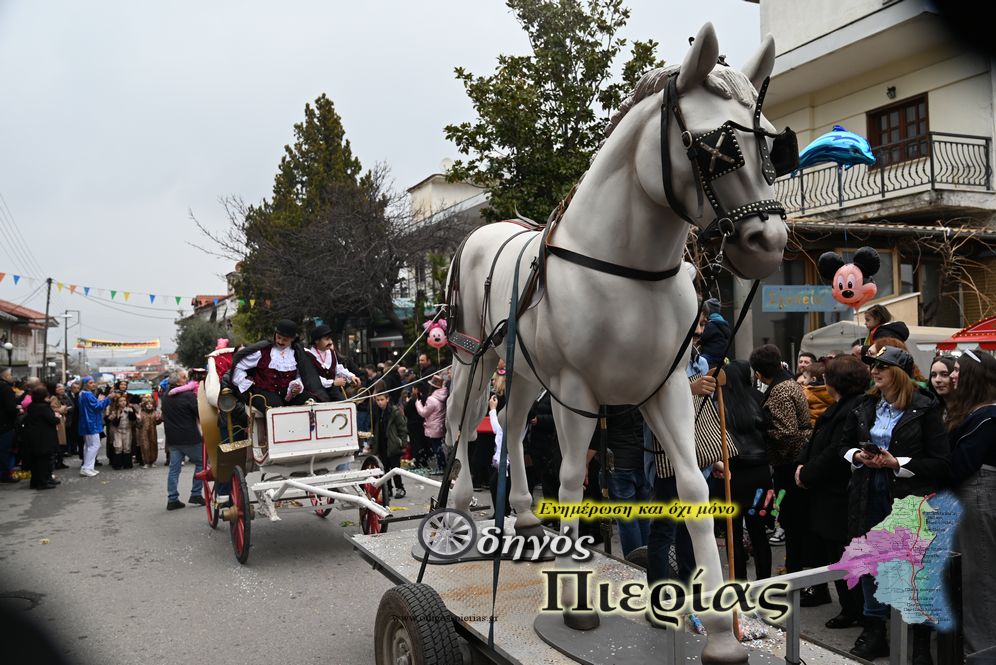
x=897, y=446
x=972, y=419
x=940, y=378
x=749, y=470
x=824, y=475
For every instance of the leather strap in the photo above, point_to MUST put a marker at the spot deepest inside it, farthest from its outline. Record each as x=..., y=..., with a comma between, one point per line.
x=612, y=268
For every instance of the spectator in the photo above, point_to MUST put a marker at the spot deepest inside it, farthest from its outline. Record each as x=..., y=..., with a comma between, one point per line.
x=121, y=419
x=625, y=476
x=496, y=458
x=363, y=406
x=824, y=475
x=8, y=419
x=897, y=343
x=61, y=407
x=716, y=334
x=748, y=470
x=425, y=366
x=858, y=347
x=879, y=322
x=786, y=429
x=434, y=414
x=804, y=360
x=905, y=425
x=390, y=436
x=180, y=420
x=940, y=379
x=91, y=424
x=815, y=390
x=146, y=434
x=73, y=441
x=41, y=440
x=972, y=419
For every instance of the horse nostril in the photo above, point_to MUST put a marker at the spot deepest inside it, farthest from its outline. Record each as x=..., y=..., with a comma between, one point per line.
x=755, y=238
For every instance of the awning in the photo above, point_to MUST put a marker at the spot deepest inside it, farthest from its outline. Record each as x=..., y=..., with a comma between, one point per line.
x=978, y=335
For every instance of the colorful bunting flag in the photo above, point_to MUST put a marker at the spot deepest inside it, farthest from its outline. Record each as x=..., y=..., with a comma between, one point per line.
x=86, y=290
x=58, y=285
x=215, y=302
x=178, y=298
x=72, y=288
x=152, y=298
x=2, y=275
x=17, y=278
x=113, y=293
x=126, y=294
x=252, y=303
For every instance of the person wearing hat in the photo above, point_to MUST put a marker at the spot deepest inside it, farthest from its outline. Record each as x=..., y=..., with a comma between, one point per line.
x=715, y=335
x=332, y=374
x=276, y=371
x=897, y=446
x=434, y=414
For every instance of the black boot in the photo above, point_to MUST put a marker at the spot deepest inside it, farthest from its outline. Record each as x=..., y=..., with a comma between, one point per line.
x=872, y=642
x=815, y=595
x=921, y=646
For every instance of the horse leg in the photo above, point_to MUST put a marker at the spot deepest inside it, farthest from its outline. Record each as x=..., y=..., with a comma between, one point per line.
x=670, y=416
x=574, y=433
x=460, y=383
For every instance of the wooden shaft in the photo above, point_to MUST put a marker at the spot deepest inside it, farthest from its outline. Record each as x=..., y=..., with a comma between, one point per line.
x=720, y=382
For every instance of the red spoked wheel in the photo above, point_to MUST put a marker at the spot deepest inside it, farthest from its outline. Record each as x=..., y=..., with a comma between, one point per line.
x=206, y=477
x=371, y=522
x=242, y=519
x=321, y=500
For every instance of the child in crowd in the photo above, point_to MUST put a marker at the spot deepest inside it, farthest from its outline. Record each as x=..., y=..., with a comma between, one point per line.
x=716, y=334
x=815, y=389
x=390, y=430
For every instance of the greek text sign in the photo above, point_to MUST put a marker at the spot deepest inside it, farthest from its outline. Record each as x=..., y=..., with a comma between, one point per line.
x=806, y=298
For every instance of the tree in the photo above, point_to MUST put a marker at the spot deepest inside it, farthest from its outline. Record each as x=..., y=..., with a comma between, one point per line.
x=330, y=241
x=195, y=338
x=540, y=116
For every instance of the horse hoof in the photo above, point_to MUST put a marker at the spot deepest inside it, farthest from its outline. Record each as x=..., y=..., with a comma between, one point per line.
x=581, y=620
x=533, y=530
x=725, y=649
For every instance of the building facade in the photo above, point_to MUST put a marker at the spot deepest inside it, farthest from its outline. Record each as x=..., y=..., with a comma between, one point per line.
x=24, y=330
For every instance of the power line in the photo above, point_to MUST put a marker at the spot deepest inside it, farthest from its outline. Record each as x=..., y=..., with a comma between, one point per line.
x=19, y=238
x=97, y=301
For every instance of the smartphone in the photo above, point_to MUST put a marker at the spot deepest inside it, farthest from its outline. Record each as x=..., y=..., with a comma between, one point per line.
x=871, y=448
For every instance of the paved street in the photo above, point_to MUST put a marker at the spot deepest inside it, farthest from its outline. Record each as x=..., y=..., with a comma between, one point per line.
x=122, y=581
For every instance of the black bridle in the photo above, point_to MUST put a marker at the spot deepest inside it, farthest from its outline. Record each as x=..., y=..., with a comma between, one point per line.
x=717, y=153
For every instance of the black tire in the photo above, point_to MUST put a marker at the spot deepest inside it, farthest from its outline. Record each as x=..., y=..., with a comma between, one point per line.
x=413, y=622
x=241, y=526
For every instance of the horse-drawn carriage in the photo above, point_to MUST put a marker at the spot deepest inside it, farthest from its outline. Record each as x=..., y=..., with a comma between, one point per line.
x=306, y=458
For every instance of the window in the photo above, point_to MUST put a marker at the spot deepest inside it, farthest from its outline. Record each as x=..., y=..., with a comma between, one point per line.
x=899, y=132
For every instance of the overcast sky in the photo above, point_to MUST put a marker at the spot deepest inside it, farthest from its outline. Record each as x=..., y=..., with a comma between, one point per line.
x=119, y=117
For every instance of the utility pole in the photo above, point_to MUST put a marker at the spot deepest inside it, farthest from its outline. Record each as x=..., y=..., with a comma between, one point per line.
x=48, y=301
x=65, y=346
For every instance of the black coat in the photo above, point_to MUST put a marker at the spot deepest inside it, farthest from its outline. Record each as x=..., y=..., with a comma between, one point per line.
x=40, y=436
x=919, y=435
x=180, y=419
x=305, y=369
x=8, y=407
x=826, y=473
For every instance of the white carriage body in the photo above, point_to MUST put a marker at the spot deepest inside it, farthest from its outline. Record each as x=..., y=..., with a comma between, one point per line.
x=311, y=431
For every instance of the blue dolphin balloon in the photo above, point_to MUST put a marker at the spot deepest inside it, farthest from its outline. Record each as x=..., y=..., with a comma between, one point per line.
x=838, y=146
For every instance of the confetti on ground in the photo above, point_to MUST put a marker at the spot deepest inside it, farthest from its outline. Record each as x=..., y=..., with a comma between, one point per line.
x=346, y=523
x=44, y=541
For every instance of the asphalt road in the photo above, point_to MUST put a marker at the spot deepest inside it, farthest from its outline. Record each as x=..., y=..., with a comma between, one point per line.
x=115, y=578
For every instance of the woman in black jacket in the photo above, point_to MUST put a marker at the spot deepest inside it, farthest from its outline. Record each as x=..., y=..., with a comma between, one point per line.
x=40, y=439
x=749, y=470
x=823, y=475
x=905, y=425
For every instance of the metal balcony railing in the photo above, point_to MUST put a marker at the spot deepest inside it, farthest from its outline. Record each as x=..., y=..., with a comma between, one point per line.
x=939, y=160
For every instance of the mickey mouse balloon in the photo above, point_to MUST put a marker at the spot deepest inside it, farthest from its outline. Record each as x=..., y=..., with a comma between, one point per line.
x=851, y=282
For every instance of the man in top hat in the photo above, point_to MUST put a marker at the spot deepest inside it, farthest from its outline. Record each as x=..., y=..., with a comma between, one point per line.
x=276, y=371
x=332, y=374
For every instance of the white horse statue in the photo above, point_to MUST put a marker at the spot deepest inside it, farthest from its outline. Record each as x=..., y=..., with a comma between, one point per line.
x=598, y=338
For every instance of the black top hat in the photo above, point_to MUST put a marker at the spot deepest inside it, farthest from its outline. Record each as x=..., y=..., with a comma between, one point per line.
x=286, y=327
x=323, y=330
x=890, y=355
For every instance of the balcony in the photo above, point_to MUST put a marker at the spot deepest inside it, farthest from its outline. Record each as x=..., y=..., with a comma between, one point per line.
x=938, y=161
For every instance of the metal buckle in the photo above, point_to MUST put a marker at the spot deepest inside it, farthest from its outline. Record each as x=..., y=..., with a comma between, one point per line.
x=726, y=227
x=686, y=139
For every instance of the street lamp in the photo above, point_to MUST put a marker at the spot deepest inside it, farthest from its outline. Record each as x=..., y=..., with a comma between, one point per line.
x=65, y=347
x=10, y=352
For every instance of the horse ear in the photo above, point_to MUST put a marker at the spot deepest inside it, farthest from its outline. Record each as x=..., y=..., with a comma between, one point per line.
x=868, y=261
x=700, y=59
x=829, y=264
x=758, y=67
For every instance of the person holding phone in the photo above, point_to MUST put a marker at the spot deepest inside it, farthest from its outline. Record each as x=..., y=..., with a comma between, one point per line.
x=897, y=445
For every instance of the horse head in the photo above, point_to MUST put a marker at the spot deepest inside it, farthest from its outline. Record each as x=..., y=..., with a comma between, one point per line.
x=716, y=163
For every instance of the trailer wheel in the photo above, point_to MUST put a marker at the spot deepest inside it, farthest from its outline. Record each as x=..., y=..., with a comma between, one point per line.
x=242, y=522
x=413, y=627
x=208, y=485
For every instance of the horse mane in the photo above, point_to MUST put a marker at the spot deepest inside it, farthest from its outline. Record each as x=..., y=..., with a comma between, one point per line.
x=726, y=82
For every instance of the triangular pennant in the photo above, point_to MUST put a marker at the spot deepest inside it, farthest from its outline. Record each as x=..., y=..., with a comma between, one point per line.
x=126, y=294
x=86, y=290
x=178, y=299
x=113, y=293
x=72, y=288
x=2, y=275
x=58, y=285
x=152, y=297
x=215, y=302
x=242, y=303
x=17, y=278
x=252, y=303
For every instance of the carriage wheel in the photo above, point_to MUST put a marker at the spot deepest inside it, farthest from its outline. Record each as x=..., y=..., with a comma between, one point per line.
x=371, y=522
x=208, y=489
x=319, y=500
x=241, y=524
x=409, y=630
x=447, y=533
